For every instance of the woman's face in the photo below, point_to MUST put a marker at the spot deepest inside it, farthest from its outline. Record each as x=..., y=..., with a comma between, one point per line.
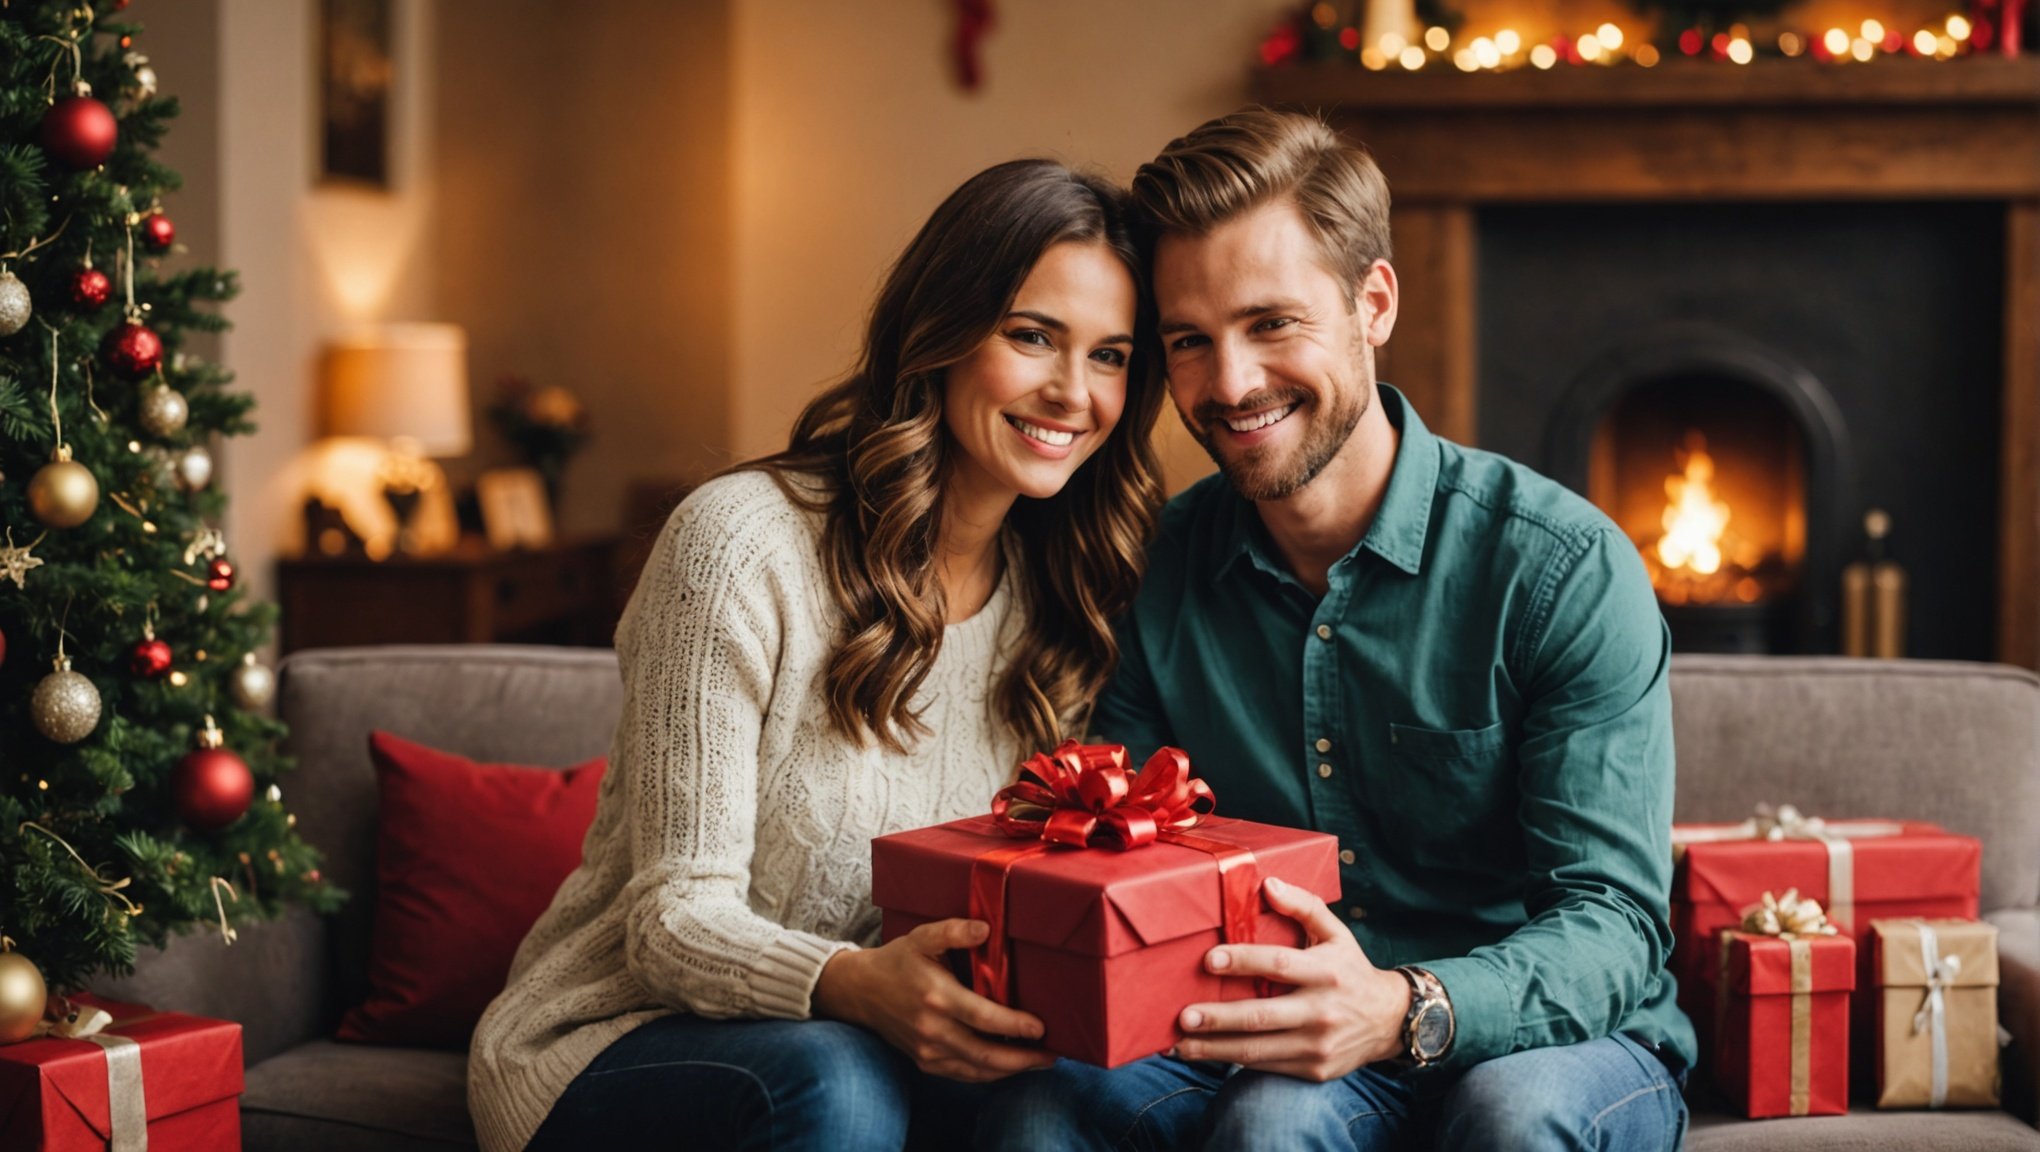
x=1034, y=401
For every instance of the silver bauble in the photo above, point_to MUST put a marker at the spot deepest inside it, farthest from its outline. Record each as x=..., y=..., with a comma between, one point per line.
x=15, y=306
x=65, y=706
x=194, y=468
x=163, y=411
x=253, y=684
x=145, y=81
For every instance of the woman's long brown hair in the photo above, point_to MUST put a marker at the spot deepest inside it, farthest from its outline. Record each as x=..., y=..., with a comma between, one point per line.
x=877, y=442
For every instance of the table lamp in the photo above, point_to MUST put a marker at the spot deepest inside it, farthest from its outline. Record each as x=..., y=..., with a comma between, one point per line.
x=406, y=385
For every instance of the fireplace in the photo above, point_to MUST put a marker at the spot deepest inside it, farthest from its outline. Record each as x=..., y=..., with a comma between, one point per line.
x=1780, y=295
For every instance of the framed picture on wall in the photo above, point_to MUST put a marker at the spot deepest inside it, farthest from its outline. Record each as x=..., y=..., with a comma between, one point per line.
x=514, y=511
x=354, y=91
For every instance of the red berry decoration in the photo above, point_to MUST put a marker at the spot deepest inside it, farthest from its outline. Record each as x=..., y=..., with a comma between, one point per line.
x=79, y=131
x=133, y=350
x=219, y=575
x=211, y=786
x=149, y=659
x=158, y=232
x=91, y=288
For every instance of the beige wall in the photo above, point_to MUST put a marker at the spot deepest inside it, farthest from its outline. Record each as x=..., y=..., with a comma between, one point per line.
x=582, y=234
x=849, y=131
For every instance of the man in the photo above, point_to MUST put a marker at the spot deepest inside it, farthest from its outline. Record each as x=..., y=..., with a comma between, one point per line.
x=1453, y=664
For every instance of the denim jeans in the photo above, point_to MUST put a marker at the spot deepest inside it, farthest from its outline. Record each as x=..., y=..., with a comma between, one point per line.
x=1611, y=1094
x=685, y=1082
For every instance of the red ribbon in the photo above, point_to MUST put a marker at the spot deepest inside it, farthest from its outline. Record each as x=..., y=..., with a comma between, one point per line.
x=1079, y=797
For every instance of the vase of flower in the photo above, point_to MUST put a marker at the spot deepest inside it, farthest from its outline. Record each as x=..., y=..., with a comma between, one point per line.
x=546, y=424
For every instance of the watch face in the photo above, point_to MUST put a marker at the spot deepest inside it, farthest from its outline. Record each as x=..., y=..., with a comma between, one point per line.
x=1432, y=1031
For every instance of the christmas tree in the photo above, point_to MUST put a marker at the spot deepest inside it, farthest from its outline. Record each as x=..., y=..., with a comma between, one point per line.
x=138, y=772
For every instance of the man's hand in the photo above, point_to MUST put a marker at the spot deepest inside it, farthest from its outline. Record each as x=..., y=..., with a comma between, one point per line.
x=902, y=992
x=1344, y=1013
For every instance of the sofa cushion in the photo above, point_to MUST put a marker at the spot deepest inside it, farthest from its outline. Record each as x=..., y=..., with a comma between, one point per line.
x=328, y=1096
x=468, y=855
x=500, y=703
x=1862, y=1128
x=1920, y=739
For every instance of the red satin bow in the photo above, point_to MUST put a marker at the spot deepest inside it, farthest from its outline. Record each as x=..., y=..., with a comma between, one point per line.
x=1080, y=793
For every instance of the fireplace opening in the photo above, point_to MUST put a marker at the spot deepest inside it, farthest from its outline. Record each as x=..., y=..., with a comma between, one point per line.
x=1724, y=463
x=1707, y=477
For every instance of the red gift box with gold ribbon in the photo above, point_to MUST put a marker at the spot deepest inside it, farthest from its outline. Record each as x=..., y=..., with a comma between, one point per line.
x=162, y=1080
x=1782, y=1046
x=1859, y=870
x=1104, y=890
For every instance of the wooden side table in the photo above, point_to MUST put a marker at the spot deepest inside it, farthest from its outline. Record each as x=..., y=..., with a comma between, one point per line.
x=564, y=594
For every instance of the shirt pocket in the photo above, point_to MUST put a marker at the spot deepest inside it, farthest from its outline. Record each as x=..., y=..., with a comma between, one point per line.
x=1461, y=795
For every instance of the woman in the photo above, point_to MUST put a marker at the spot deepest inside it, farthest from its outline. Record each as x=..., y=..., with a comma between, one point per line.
x=858, y=635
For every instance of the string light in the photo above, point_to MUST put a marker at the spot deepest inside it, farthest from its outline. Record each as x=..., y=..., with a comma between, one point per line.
x=1789, y=44
x=1873, y=31
x=1837, y=42
x=1413, y=57
x=1589, y=48
x=1925, y=42
x=1739, y=50
x=1437, y=39
x=1958, y=29
x=1609, y=36
x=1543, y=56
x=1508, y=41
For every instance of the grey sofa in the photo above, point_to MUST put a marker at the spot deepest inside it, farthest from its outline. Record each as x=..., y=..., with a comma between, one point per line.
x=1957, y=743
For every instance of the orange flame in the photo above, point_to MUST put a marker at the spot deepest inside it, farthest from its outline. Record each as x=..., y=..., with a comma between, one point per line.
x=1694, y=521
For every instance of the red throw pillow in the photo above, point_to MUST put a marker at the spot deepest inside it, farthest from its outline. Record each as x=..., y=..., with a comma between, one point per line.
x=468, y=856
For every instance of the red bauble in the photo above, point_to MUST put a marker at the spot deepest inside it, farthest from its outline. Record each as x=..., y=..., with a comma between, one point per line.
x=3, y=647
x=219, y=575
x=133, y=350
x=211, y=788
x=91, y=288
x=158, y=232
x=79, y=131
x=149, y=659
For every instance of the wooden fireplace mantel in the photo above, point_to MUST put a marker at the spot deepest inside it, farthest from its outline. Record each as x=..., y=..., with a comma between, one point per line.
x=1776, y=130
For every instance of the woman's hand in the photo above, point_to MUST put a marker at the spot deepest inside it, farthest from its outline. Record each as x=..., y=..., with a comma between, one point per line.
x=902, y=992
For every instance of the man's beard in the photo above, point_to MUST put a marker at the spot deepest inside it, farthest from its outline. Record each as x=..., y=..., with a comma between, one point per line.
x=1255, y=473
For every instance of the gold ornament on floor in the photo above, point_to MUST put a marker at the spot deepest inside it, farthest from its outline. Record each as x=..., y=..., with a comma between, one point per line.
x=63, y=493
x=15, y=305
x=65, y=705
x=23, y=996
x=163, y=411
x=253, y=684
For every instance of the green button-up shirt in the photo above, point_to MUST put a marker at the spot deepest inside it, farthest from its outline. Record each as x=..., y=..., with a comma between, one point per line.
x=1477, y=708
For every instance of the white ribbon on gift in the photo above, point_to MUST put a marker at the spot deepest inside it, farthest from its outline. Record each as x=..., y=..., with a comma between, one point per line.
x=1785, y=823
x=127, y=1106
x=1941, y=973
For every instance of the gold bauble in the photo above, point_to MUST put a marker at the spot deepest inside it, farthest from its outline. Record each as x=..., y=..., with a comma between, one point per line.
x=22, y=997
x=162, y=411
x=194, y=468
x=65, y=705
x=253, y=684
x=63, y=493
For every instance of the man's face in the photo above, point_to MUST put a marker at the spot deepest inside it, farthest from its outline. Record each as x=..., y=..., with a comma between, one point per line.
x=1270, y=357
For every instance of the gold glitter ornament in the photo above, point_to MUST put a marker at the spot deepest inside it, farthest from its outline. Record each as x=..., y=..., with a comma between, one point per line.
x=15, y=305
x=163, y=411
x=65, y=705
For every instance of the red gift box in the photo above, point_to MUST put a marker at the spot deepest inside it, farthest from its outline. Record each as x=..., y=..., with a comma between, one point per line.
x=1103, y=892
x=1887, y=869
x=56, y=1095
x=1783, y=1029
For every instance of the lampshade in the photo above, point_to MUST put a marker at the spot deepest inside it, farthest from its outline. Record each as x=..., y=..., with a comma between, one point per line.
x=400, y=380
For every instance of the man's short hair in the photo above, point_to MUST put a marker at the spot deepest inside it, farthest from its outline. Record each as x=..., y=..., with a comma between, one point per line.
x=1237, y=163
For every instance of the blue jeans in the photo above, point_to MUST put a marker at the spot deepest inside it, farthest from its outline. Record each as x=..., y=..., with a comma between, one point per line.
x=685, y=1082
x=1611, y=1094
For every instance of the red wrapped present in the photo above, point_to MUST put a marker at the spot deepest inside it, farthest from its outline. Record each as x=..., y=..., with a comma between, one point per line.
x=1101, y=899
x=1858, y=870
x=163, y=1080
x=1783, y=1027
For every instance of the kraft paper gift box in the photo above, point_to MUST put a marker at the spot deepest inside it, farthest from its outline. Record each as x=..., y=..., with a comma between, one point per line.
x=164, y=1077
x=1935, y=990
x=1782, y=1031
x=1105, y=946
x=1859, y=870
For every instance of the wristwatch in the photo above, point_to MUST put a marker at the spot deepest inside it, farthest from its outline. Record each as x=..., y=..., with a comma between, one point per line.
x=1429, y=1028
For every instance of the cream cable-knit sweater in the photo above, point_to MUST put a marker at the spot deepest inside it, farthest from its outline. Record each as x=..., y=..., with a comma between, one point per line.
x=730, y=855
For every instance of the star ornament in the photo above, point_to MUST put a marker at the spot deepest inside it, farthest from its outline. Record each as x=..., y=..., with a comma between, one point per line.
x=15, y=562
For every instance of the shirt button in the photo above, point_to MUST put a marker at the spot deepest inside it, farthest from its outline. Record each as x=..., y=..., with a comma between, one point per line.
x=1324, y=745
x=1356, y=912
x=1324, y=631
x=1346, y=856
x=1324, y=771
